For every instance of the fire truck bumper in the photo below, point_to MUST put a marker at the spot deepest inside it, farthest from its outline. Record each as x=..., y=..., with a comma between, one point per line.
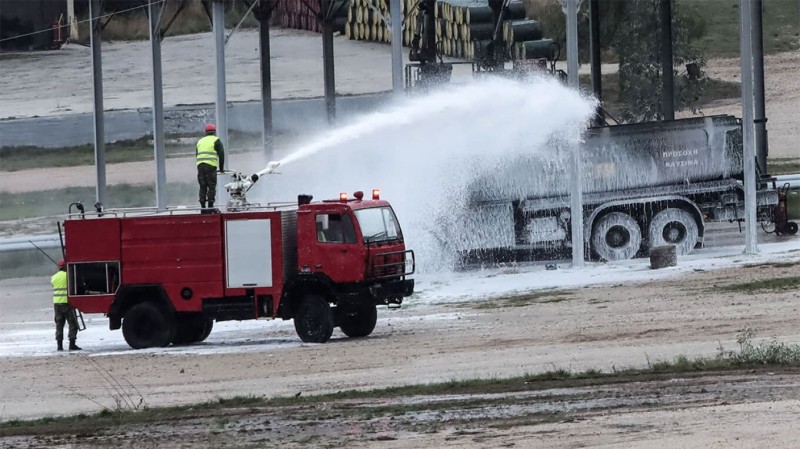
x=393, y=292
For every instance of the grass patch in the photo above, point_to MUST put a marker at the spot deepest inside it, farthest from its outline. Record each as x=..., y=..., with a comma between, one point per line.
x=793, y=205
x=17, y=264
x=55, y=202
x=526, y=299
x=783, y=166
x=763, y=285
x=781, y=25
x=773, y=265
x=21, y=158
x=176, y=145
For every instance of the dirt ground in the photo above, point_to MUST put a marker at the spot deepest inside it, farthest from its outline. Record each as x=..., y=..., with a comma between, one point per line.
x=606, y=328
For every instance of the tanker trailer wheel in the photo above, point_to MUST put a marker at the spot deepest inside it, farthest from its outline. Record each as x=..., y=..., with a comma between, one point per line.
x=145, y=325
x=674, y=226
x=359, y=321
x=616, y=236
x=313, y=320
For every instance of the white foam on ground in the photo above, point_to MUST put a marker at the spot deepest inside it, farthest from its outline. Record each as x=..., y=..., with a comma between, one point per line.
x=36, y=338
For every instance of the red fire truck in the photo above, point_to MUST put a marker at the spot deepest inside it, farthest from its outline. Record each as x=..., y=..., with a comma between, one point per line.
x=164, y=277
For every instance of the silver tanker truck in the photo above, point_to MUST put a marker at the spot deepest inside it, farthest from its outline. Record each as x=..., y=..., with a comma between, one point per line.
x=644, y=185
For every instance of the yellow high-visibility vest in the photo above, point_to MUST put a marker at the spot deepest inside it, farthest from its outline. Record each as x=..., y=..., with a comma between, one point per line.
x=206, y=154
x=59, y=281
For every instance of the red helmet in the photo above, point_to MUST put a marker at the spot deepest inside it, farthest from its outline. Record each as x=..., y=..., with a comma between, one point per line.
x=210, y=128
x=61, y=263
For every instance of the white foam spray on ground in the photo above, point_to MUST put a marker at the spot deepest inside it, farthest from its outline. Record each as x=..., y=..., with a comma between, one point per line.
x=423, y=152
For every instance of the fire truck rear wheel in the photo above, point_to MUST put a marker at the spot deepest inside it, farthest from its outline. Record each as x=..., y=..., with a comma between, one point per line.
x=190, y=328
x=360, y=321
x=313, y=320
x=207, y=331
x=146, y=325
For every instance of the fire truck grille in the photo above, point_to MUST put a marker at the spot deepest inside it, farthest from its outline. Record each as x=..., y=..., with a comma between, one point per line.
x=391, y=265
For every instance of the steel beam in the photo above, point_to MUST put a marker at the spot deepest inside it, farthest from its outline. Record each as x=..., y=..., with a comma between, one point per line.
x=155, y=10
x=328, y=60
x=760, y=113
x=667, y=76
x=218, y=25
x=576, y=193
x=264, y=16
x=97, y=92
x=594, y=50
x=397, y=46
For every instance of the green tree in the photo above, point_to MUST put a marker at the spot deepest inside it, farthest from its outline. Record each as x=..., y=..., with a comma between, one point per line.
x=637, y=43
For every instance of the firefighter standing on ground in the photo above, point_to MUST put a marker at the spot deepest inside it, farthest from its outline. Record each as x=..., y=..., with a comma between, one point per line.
x=63, y=311
x=210, y=159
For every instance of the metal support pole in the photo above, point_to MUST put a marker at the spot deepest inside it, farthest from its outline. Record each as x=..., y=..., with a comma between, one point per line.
x=667, y=81
x=572, y=43
x=748, y=131
x=760, y=113
x=97, y=92
x=264, y=16
x=397, y=46
x=154, y=14
x=218, y=25
x=73, y=22
x=594, y=50
x=328, y=61
x=576, y=194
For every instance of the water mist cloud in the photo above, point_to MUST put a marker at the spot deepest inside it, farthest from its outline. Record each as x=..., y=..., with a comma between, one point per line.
x=425, y=151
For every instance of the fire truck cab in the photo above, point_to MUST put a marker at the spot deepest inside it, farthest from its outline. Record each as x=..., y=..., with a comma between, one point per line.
x=164, y=277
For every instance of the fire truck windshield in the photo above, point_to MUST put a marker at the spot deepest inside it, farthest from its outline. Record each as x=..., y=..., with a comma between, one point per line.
x=378, y=224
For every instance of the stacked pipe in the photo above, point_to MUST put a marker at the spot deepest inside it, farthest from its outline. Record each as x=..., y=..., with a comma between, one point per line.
x=524, y=38
x=305, y=15
x=462, y=27
x=366, y=20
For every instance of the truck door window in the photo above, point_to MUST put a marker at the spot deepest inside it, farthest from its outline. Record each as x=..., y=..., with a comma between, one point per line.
x=335, y=228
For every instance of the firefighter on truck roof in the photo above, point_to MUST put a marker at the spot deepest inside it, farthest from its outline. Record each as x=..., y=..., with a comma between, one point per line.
x=210, y=159
x=63, y=311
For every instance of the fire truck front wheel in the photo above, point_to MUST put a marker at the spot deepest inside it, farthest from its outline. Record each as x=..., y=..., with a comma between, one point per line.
x=313, y=320
x=145, y=325
x=359, y=321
